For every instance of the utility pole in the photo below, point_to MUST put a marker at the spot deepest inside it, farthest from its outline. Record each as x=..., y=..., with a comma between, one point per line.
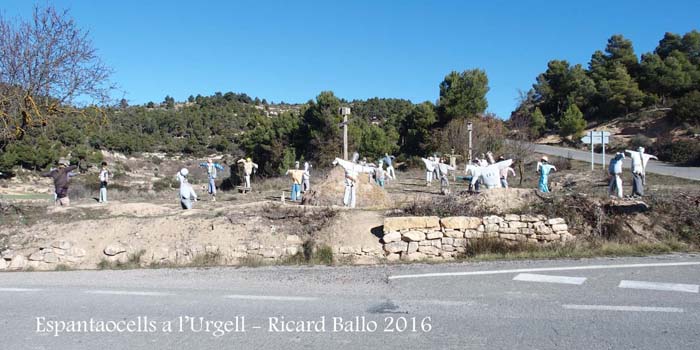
x=469, y=128
x=345, y=111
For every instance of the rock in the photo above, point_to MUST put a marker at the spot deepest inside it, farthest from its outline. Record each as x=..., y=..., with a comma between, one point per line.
x=529, y=218
x=473, y=234
x=416, y=256
x=366, y=249
x=114, y=248
x=454, y=234
x=437, y=243
x=460, y=222
x=429, y=250
x=432, y=222
x=291, y=250
x=507, y=236
x=76, y=252
x=50, y=258
x=346, y=250
x=8, y=254
x=517, y=224
x=447, y=241
x=491, y=228
x=270, y=253
x=393, y=236
x=393, y=257
x=433, y=235
x=65, y=245
x=426, y=242
x=541, y=217
x=294, y=239
x=626, y=206
x=493, y=219
x=509, y=230
x=412, y=247
x=396, y=247
x=410, y=222
x=560, y=227
x=512, y=217
x=527, y=231
x=211, y=249
x=556, y=221
x=3, y=264
x=413, y=236
x=18, y=262
x=36, y=256
x=460, y=242
x=448, y=248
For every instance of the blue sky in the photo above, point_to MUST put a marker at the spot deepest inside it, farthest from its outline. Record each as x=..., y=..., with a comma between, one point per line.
x=292, y=50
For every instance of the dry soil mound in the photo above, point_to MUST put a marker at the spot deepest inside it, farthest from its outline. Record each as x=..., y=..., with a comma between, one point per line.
x=506, y=200
x=329, y=191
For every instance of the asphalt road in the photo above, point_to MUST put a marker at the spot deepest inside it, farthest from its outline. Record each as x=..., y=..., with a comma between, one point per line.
x=656, y=167
x=506, y=305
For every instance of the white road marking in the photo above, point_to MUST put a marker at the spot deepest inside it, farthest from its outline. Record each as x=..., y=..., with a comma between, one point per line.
x=19, y=289
x=622, y=308
x=671, y=287
x=529, y=277
x=126, y=292
x=542, y=269
x=438, y=302
x=268, y=297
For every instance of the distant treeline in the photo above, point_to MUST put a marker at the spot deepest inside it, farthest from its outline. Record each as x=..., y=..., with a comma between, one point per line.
x=238, y=125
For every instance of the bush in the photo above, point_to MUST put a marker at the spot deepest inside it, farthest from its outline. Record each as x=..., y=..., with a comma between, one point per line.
x=685, y=152
x=572, y=123
x=687, y=108
x=640, y=140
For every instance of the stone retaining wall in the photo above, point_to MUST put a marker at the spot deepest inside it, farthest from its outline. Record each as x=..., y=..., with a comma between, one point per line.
x=429, y=237
x=67, y=254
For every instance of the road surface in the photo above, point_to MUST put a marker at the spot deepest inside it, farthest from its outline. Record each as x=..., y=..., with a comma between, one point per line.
x=656, y=167
x=640, y=303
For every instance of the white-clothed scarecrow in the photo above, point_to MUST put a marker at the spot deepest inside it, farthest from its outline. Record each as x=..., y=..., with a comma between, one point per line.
x=187, y=194
x=211, y=168
x=443, y=171
x=389, y=161
x=429, y=170
x=352, y=172
x=473, y=171
x=306, y=178
x=615, y=172
x=491, y=175
x=248, y=168
x=639, y=167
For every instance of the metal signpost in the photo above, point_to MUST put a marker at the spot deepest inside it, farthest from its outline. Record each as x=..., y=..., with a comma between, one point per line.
x=596, y=137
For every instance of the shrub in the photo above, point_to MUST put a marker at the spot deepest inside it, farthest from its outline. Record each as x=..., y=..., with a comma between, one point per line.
x=686, y=152
x=687, y=108
x=572, y=123
x=640, y=140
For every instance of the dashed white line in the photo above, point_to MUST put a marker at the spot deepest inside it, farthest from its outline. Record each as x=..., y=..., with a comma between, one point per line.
x=529, y=277
x=670, y=287
x=19, y=289
x=622, y=308
x=542, y=269
x=127, y=292
x=268, y=297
